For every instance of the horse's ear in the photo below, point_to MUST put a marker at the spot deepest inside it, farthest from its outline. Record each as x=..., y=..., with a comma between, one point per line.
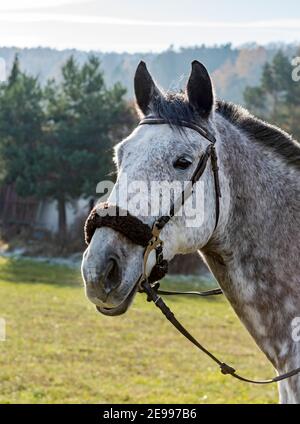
x=144, y=87
x=199, y=89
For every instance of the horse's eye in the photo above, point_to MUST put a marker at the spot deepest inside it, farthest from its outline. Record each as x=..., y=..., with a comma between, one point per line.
x=182, y=163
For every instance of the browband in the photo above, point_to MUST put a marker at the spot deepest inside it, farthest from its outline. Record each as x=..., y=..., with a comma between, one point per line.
x=196, y=127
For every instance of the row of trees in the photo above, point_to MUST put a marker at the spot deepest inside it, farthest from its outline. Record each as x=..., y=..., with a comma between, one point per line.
x=277, y=98
x=55, y=140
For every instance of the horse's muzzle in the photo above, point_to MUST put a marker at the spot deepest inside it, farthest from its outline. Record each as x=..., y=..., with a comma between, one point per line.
x=102, y=281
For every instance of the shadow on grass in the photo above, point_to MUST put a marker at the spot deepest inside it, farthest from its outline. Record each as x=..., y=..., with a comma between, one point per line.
x=25, y=271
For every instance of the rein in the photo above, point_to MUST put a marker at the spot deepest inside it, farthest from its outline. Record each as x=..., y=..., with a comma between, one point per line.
x=105, y=215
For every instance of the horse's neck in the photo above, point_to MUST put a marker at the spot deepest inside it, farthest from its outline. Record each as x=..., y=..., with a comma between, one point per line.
x=256, y=257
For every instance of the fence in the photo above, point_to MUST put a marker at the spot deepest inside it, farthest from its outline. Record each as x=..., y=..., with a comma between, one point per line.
x=15, y=210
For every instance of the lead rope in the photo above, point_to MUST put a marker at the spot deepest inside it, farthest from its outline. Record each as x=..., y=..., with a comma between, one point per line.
x=152, y=293
x=226, y=369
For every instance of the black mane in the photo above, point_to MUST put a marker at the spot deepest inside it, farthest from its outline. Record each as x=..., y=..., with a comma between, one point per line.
x=269, y=135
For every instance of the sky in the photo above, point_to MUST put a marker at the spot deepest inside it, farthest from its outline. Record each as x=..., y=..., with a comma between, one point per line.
x=137, y=25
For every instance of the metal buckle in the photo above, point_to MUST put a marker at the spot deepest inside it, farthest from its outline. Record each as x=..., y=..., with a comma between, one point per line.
x=153, y=244
x=155, y=230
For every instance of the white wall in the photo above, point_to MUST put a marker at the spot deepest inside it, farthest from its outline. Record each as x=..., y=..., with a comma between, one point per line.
x=47, y=214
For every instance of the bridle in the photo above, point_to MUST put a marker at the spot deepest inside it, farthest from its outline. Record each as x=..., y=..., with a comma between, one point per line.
x=105, y=215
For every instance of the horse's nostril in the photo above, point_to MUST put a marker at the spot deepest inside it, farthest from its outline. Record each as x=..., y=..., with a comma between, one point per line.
x=112, y=277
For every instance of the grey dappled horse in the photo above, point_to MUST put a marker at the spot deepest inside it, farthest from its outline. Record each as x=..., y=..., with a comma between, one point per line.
x=254, y=251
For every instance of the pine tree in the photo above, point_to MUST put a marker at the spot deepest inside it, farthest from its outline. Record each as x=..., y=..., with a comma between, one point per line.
x=83, y=116
x=277, y=98
x=21, y=130
x=56, y=143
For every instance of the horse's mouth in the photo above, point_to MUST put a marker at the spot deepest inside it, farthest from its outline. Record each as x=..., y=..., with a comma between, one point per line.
x=122, y=307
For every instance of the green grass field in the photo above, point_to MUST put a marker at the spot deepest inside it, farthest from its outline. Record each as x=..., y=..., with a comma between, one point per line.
x=60, y=350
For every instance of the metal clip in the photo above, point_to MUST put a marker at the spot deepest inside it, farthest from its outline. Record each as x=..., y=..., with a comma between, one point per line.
x=155, y=230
